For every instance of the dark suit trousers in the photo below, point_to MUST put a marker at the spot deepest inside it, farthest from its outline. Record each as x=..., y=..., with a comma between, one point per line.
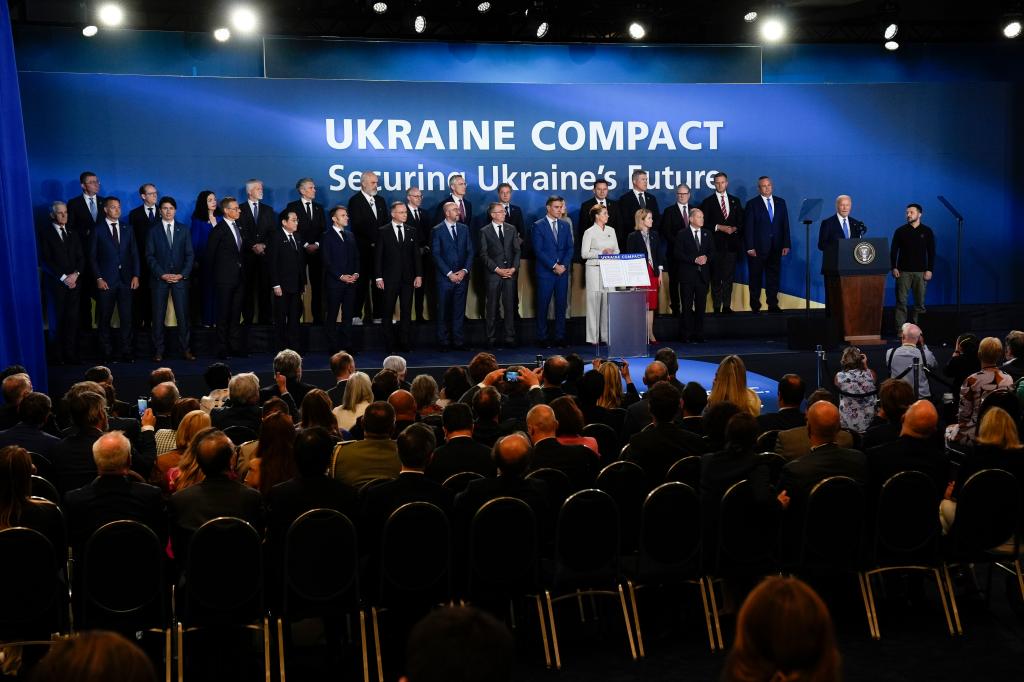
x=62, y=312
x=500, y=291
x=179, y=299
x=339, y=296
x=675, y=284
x=369, y=299
x=120, y=295
x=765, y=268
x=402, y=294
x=256, y=306
x=694, y=300
x=142, y=310
x=229, y=312
x=723, y=271
x=315, y=263
x=428, y=292
x=451, y=306
x=287, y=308
x=549, y=286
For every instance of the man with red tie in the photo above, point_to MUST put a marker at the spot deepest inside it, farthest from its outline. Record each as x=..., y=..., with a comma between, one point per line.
x=723, y=215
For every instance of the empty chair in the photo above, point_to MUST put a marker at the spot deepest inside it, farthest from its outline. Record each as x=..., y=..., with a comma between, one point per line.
x=608, y=441
x=30, y=589
x=627, y=483
x=240, y=434
x=458, y=482
x=685, y=470
x=44, y=467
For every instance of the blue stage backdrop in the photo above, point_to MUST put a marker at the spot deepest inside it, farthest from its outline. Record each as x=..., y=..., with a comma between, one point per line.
x=885, y=144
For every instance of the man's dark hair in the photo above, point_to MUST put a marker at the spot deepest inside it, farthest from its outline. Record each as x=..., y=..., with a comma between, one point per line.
x=109, y=200
x=341, y=362
x=791, y=389
x=487, y=404
x=163, y=398
x=552, y=199
x=555, y=370
x=664, y=401
x=695, y=398
x=457, y=417
x=217, y=375
x=87, y=409
x=590, y=387
x=576, y=367
x=568, y=415
x=34, y=408
x=1015, y=343
x=460, y=644
x=385, y=382
x=99, y=374
x=85, y=175
x=895, y=397
x=741, y=431
x=821, y=394
x=167, y=200
x=227, y=201
x=719, y=174
x=312, y=451
x=416, y=443
x=379, y=418
x=600, y=181
x=12, y=369
x=715, y=420
x=917, y=206
x=668, y=357
x=480, y=366
x=160, y=375
x=213, y=452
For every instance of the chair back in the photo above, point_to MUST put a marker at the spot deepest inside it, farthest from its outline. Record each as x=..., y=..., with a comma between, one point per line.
x=503, y=548
x=321, y=563
x=906, y=525
x=587, y=534
x=766, y=441
x=29, y=586
x=747, y=536
x=223, y=574
x=415, y=556
x=774, y=462
x=122, y=578
x=608, y=443
x=557, y=483
x=1005, y=398
x=987, y=512
x=42, y=487
x=246, y=453
x=670, y=529
x=240, y=434
x=694, y=424
x=833, y=527
x=44, y=467
x=458, y=482
x=628, y=485
x=685, y=470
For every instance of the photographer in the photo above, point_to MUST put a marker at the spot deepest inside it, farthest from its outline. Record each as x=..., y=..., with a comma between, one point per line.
x=856, y=385
x=900, y=360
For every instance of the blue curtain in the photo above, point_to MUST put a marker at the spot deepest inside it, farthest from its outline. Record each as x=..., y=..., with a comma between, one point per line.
x=21, y=316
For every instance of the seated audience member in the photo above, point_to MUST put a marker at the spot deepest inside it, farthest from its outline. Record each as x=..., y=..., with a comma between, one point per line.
x=316, y=411
x=1014, y=365
x=462, y=644
x=730, y=386
x=964, y=361
x=17, y=506
x=274, y=461
x=217, y=377
x=894, y=397
x=576, y=461
x=95, y=656
x=242, y=408
x=783, y=632
x=589, y=390
x=161, y=400
x=664, y=442
x=976, y=387
x=405, y=410
x=479, y=367
x=14, y=387
x=570, y=424
x=166, y=440
x=556, y=368
x=900, y=360
x=789, y=416
x=638, y=415
x=855, y=382
x=161, y=375
x=288, y=364
x=454, y=384
x=311, y=487
x=573, y=374
x=487, y=410
x=997, y=446
x=794, y=443
x=512, y=455
x=397, y=364
x=668, y=357
x=191, y=424
x=518, y=396
x=343, y=366
x=374, y=457
x=695, y=401
x=424, y=391
x=415, y=446
x=276, y=406
x=114, y=495
x=215, y=495
x=187, y=473
x=716, y=418
x=613, y=396
x=358, y=395
x=459, y=452
x=916, y=449
x=385, y=382
x=33, y=415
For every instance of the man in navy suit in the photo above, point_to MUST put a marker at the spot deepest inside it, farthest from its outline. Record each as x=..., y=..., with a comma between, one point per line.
x=453, y=252
x=62, y=261
x=170, y=258
x=635, y=198
x=839, y=226
x=258, y=219
x=399, y=272
x=312, y=224
x=142, y=218
x=286, y=261
x=114, y=262
x=766, y=238
x=553, y=247
x=84, y=211
x=695, y=254
x=341, y=274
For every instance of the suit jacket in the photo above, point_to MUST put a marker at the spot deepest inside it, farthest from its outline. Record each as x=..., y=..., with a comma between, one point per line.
x=831, y=231
x=164, y=258
x=760, y=232
x=479, y=492
x=286, y=265
x=309, y=232
x=341, y=256
x=628, y=206
x=686, y=250
x=786, y=418
x=115, y=262
x=422, y=225
x=1013, y=367
x=396, y=263
x=583, y=220
x=578, y=462
x=458, y=455
x=439, y=209
x=80, y=220
x=212, y=497
x=801, y=475
x=794, y=443
x=635, y=244
x=256, y=230
x=499, y=255
x=448, y=255
x=713, y=216
x=672, y=224
x=659, y=446
x=249, y=416
x=547, y=252
x=74, y=466
x=359, y=462
x=141, y=223
x=364, y=223
x=112, y=497
x=381, y=500
x=297, y=391
x=908, y=454
x=291, y=499
x=32, y=439
x=337, y=392
x=59, y=257
x=224, y=259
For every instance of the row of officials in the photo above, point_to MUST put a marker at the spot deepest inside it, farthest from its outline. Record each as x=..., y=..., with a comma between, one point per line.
x=246, y=263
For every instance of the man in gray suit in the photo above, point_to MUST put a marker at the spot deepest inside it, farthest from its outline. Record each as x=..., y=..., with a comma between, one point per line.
x=499, y=251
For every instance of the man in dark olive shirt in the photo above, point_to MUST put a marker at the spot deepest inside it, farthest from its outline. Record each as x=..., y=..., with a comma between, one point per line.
x=912, y=258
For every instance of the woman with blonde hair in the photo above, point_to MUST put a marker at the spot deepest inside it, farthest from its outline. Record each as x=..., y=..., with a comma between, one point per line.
x=358, y=394
x=644, y=241
x=192, y=423
x=612, y=397
x=187, y=473
x=730, y=386
x=976, y=387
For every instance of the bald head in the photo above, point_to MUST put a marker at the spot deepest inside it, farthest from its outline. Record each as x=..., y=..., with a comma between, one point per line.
x=112, y=453
x=655, y=372
x=822, y=423
x=404, y=404
x=911, y=333
x=541, y=423
x=512, y=454
x=920, y=420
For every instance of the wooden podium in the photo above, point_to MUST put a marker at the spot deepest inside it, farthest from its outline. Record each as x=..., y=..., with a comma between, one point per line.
x=855, y=272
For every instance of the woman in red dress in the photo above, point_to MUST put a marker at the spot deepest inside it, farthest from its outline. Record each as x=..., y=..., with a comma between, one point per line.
x=644, y=241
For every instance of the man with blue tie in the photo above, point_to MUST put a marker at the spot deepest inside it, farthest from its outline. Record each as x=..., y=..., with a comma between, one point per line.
x=114, y=262
x=452, y=250
x=553, y=248
x=766, y=238
x=170, y=257
x=341, y=273
x=839, y=226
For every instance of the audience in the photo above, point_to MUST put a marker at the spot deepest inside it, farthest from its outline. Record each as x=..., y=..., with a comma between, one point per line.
x=287, y=364
x=1014, y=365
x=94, y=656
x=15, y=387
x=613, y=397
x=385, y=382
x=570, y=424
x=274, y=461
x=900, y=360
x=856, y=385
x=964, y=361
x=976, y=388
x=577, y=462
x=664, y=442
x=512, y=455
x=459, y=452
x=343, y=366
x=459, y=644
x=454, y=384
x=33, y=416
x=405, y=410
x=916, y=449
x=796, y=442
x=424, y=392
x=396, y=364
x=716, y=418
x=638, y=415
x=316, y=411
x=217, y=377
x=487, y=410
x=358, y=395
x=242, y=406
x=18, y=507
x=553, y=376
x=165, y=438
x=790, y=395
x=191, y=424
x=374, y=457
x=668, y=357
x=894, y=397
x=730, y=386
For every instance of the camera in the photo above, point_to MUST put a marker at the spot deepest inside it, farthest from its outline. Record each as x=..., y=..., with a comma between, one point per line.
x=540, y=360
x=511, y=375
x=143, y=404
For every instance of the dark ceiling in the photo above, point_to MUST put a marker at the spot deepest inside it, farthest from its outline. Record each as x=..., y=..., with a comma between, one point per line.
x=682, y=21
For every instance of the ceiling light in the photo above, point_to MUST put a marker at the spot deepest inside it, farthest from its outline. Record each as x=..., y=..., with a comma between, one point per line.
x=243, y=19
x=111, y=14
x=890, y=31
x=380, y=7
x=419, y=24
x=483, y=7
x=222, y=35
x=90, y=30
x=1012, y=29
x=892, y=45
x=750, y=17
x=542, y=29
x=637, y=31
x=773, y=30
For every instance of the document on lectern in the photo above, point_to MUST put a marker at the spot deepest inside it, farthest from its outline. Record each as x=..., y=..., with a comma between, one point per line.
x=624, y=270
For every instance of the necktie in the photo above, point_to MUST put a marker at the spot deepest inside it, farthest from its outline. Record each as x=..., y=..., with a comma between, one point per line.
x=771, y=211
x=255, y=210
x=401, y=235
x=642, y=200
x=696, y=238
x=600, y=201
x=291, y=240
x=63, y=234
x=554, y=229
x=686, y=216
x=373, y=207
x=416, y=215
x=234, y=233
x=309, y=211
x=507, y=210
x=170, y=236
x=152, y=213
x=117, y=238
x=92, y=207
x=451, y=228
x=501, y=234
x=725, y=207
x=462, y=211
x=846, y=228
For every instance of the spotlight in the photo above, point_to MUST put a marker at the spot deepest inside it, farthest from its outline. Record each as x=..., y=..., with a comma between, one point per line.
x=90, y=30
x=542, y=29
x=111, y=14
x=637, y=31
x=890, y=31
x=750, y=17
x=1012, y=29
x=892, y=45
x=243, y=19
x=483, y=7
x=419, y=24
x=222, y=35
x=773, y=30
x=380, y=7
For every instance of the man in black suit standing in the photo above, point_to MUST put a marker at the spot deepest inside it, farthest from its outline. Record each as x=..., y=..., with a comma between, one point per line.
x=142, y=218
x=341, y=279
x=675, y=221
x=723, y=214
x=635, y=198
x=766, y=239
x=286, y=263
x=312, y=224
x=62, y=261
x=368, y=212
x=399, y=271
x=170, y=258
x=499, y=251
x=614, y=219
x=225, y=252
x=419, y=220
x=258, y=220
x=695, y=254
x=84, y=211
x=841, y=225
